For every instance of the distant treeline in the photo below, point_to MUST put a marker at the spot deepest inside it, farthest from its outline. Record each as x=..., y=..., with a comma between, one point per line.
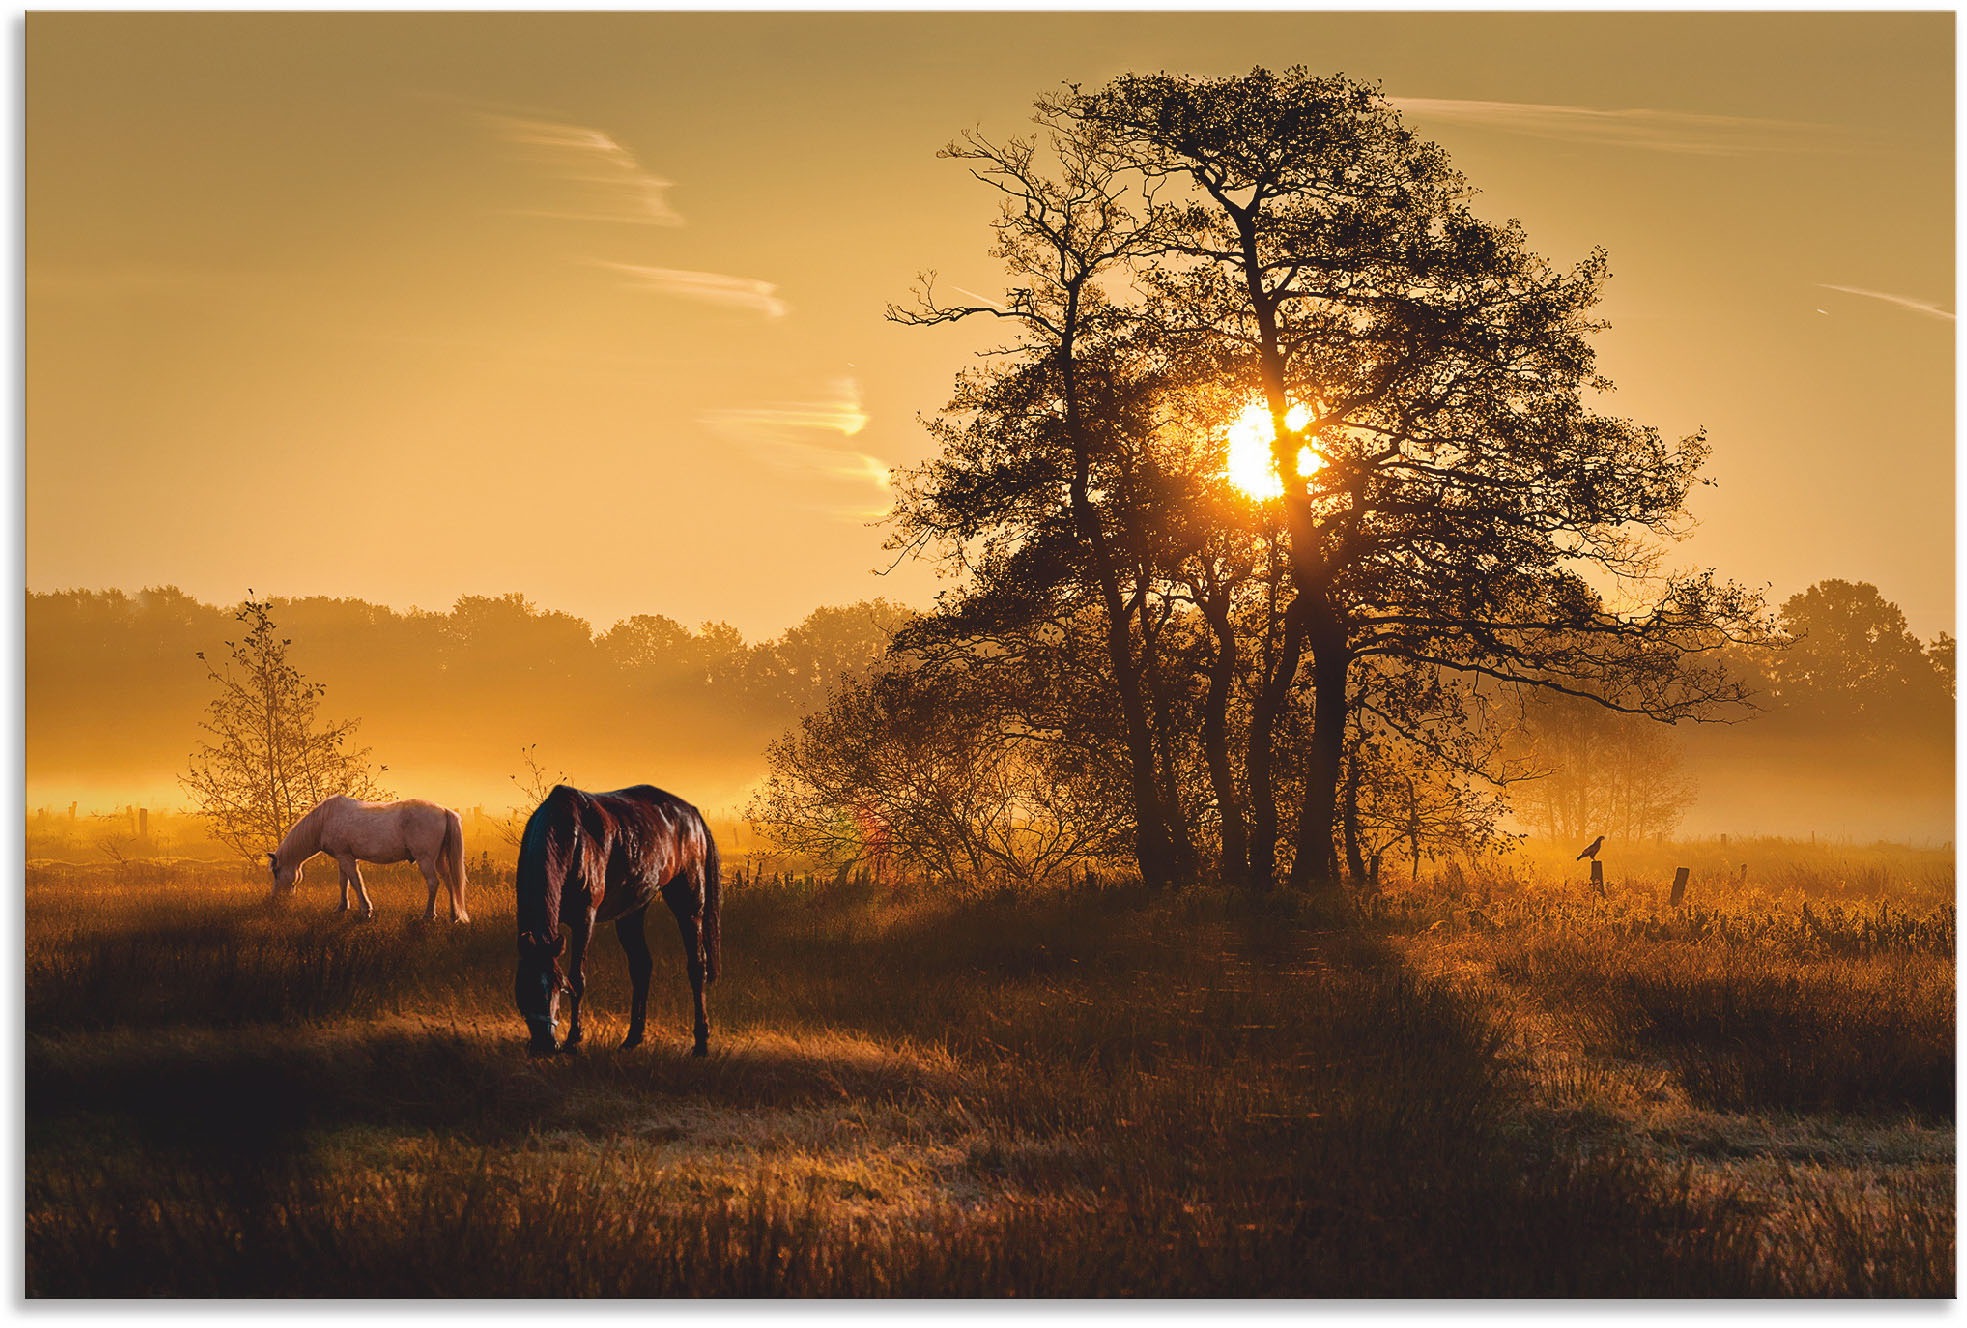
x=1851, y=735
x=115, y=690
x=1854, y=735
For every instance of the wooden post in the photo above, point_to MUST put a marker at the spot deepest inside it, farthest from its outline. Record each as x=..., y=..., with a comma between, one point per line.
x=1598, y=877
x=1679, y=886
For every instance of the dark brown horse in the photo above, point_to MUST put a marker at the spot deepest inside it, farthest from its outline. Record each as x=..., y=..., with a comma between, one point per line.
x=589, y=858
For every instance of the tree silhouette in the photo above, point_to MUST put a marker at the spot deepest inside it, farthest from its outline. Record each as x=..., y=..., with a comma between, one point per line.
x=267, y=758
x=1853, y=663
x=1183, y=246
x=1426, y=766
x=1441, y=374
x=915, y=771
x=1046, y=423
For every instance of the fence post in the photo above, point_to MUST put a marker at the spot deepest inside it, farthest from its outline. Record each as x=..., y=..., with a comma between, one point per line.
x=1598, y=877
x=1679, y=885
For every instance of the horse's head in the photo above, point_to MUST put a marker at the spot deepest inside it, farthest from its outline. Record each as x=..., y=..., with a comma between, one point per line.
x=536, y=987
x=284, y=878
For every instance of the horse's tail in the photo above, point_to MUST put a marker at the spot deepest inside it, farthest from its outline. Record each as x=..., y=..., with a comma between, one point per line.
x=713, y=925
x=450, y=861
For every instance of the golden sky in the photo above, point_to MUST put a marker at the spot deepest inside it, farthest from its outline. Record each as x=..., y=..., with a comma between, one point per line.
x=589, y=307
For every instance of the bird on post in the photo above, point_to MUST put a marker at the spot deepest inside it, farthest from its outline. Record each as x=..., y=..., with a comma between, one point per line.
x=1591, y=850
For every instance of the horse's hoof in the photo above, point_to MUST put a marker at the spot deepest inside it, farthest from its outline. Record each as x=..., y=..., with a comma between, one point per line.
x=632, y=1041
x=460, y=917
x=701, y=1049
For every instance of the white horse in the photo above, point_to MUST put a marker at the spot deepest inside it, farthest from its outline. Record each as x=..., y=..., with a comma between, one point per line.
x=352, y=831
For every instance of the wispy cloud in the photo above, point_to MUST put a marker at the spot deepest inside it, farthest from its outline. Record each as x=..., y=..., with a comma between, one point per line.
x=1634, y=127
x=708, y=287
x=607, y=182
x=1903, y=301
x=792, y=435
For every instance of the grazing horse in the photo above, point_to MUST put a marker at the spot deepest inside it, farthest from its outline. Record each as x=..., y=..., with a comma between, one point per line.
x=352, y=831
x=588, y=858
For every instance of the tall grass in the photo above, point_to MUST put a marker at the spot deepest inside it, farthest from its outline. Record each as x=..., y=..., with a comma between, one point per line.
x=1100, y=1093
x=1750, y=1031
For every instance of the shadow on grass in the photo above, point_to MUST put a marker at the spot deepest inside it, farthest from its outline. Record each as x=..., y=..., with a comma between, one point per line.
x=1199, y=1094
x=1748, y=1031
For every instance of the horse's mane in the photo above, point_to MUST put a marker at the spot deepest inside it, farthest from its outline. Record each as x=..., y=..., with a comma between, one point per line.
x=301, y=830
x=547, y=848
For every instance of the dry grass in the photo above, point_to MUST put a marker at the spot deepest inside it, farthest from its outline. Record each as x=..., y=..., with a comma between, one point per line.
x=1101, y=1094
x=1787, y=1048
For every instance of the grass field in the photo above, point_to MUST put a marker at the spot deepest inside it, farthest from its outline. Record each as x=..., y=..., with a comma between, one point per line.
x=1487, y=1083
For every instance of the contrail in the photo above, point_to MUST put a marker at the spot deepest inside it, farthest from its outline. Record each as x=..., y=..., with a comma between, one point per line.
x=1903, y=301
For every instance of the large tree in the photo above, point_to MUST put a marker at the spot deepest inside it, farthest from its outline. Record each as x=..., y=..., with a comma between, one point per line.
x=1442, y=494
x=1448, y=492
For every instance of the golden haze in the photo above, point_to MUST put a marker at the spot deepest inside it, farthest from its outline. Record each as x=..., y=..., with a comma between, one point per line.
x=588, y=306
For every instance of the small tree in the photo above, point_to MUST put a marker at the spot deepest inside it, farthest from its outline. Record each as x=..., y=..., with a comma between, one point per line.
x=917, y=774
x=268, y=758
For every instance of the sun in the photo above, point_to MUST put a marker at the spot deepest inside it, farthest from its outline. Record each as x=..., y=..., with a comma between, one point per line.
x=1250, y=467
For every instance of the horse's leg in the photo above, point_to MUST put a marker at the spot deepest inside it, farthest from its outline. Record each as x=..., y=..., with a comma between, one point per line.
x=685, y=900
x=576, y=978
x=352, y=871
x=342, y=872
x=628, y=931
x=428, y=866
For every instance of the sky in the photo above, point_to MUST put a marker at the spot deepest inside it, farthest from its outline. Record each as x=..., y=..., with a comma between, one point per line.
x=590, y=307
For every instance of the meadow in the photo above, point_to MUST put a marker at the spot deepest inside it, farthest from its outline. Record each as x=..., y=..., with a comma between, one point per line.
x=1490, y=1081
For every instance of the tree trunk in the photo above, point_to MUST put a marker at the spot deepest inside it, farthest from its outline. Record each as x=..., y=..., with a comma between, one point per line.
x=1316, y=861
x=1152, y=846
x=1184, y=863
x=1260, y=756
x=1355, y=865
x=1235, y=864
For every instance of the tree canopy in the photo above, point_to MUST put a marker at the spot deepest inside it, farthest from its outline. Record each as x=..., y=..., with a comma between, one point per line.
x=1445, y=497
